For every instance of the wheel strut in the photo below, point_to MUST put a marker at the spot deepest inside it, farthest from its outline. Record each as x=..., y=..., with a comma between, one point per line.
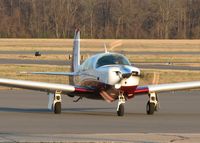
x=152, y=104
x=120, y=106
x=55, y=102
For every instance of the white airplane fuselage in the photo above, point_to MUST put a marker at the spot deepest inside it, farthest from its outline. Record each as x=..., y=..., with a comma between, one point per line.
x=110, y=73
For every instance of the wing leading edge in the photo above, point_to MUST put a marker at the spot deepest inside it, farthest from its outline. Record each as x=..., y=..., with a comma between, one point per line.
x=53, y=73
x=167, y=87
x=43, y=86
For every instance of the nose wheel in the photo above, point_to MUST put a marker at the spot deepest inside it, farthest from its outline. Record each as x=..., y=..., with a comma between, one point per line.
x=120, y=107
x=120, y=111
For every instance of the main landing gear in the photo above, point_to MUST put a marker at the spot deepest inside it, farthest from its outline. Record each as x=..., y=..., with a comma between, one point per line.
x=152, y=104
x=120, y=107
x=55, y=102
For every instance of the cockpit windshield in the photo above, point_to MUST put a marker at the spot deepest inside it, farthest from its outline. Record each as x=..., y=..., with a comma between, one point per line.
x=112, y=59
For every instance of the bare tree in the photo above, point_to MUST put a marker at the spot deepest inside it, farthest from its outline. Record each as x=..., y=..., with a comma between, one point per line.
x=100, y=19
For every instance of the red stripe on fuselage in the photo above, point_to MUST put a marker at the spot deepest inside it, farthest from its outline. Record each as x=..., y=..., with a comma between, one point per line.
x=79, y=89
x=128, y=89
x=140, y=90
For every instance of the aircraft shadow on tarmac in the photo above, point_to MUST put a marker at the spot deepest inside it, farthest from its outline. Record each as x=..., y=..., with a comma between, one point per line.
x=90, y=111
x=21, y=110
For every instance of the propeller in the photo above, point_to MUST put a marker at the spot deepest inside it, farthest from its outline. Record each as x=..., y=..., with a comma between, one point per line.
x=124, y=76
x=115, y=44
x=150, y=77
x=156, y=77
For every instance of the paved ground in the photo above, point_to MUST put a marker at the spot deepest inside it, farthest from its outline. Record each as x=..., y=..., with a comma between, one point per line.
x=61, y=62
x=95, y=52
x=24, y=117
x=103, y=138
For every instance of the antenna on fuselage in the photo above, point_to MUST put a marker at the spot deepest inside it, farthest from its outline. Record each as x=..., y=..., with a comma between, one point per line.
x=105, y=48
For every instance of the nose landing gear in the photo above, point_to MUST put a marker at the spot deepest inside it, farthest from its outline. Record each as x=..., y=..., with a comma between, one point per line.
x=120, y=107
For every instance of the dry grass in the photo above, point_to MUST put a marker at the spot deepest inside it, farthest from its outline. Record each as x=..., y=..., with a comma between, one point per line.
x=166, y=76
x=188, y=64
x=98, y=45
x=65, y=45
x=14, y=72
x=134, y=58
x=164, y=58
x=33, y=57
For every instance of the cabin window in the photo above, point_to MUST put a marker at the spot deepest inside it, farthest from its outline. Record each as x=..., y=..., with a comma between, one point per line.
x=112, y=60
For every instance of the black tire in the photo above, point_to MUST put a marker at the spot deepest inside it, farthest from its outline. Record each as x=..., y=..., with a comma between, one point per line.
x=150, y=108
x=157, y=107
x=57, y=108
x=120, y=112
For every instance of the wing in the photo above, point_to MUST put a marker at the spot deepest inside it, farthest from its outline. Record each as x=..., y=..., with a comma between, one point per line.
x=167, y=87
x=53, y=73
x=47, y=87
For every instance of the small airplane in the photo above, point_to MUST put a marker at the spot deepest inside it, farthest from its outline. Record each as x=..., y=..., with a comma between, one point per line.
x=105, y=76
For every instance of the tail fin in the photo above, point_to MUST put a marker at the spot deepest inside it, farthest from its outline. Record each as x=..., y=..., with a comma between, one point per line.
x=76, y=52
x=76, y=55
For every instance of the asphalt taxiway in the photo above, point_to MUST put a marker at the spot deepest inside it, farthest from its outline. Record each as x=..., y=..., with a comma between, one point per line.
x=24, y=113
x=24, y=117
x=60, y=52
x=62, y=62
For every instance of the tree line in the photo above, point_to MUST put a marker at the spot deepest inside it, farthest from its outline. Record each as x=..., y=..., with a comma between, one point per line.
x=126, y=19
